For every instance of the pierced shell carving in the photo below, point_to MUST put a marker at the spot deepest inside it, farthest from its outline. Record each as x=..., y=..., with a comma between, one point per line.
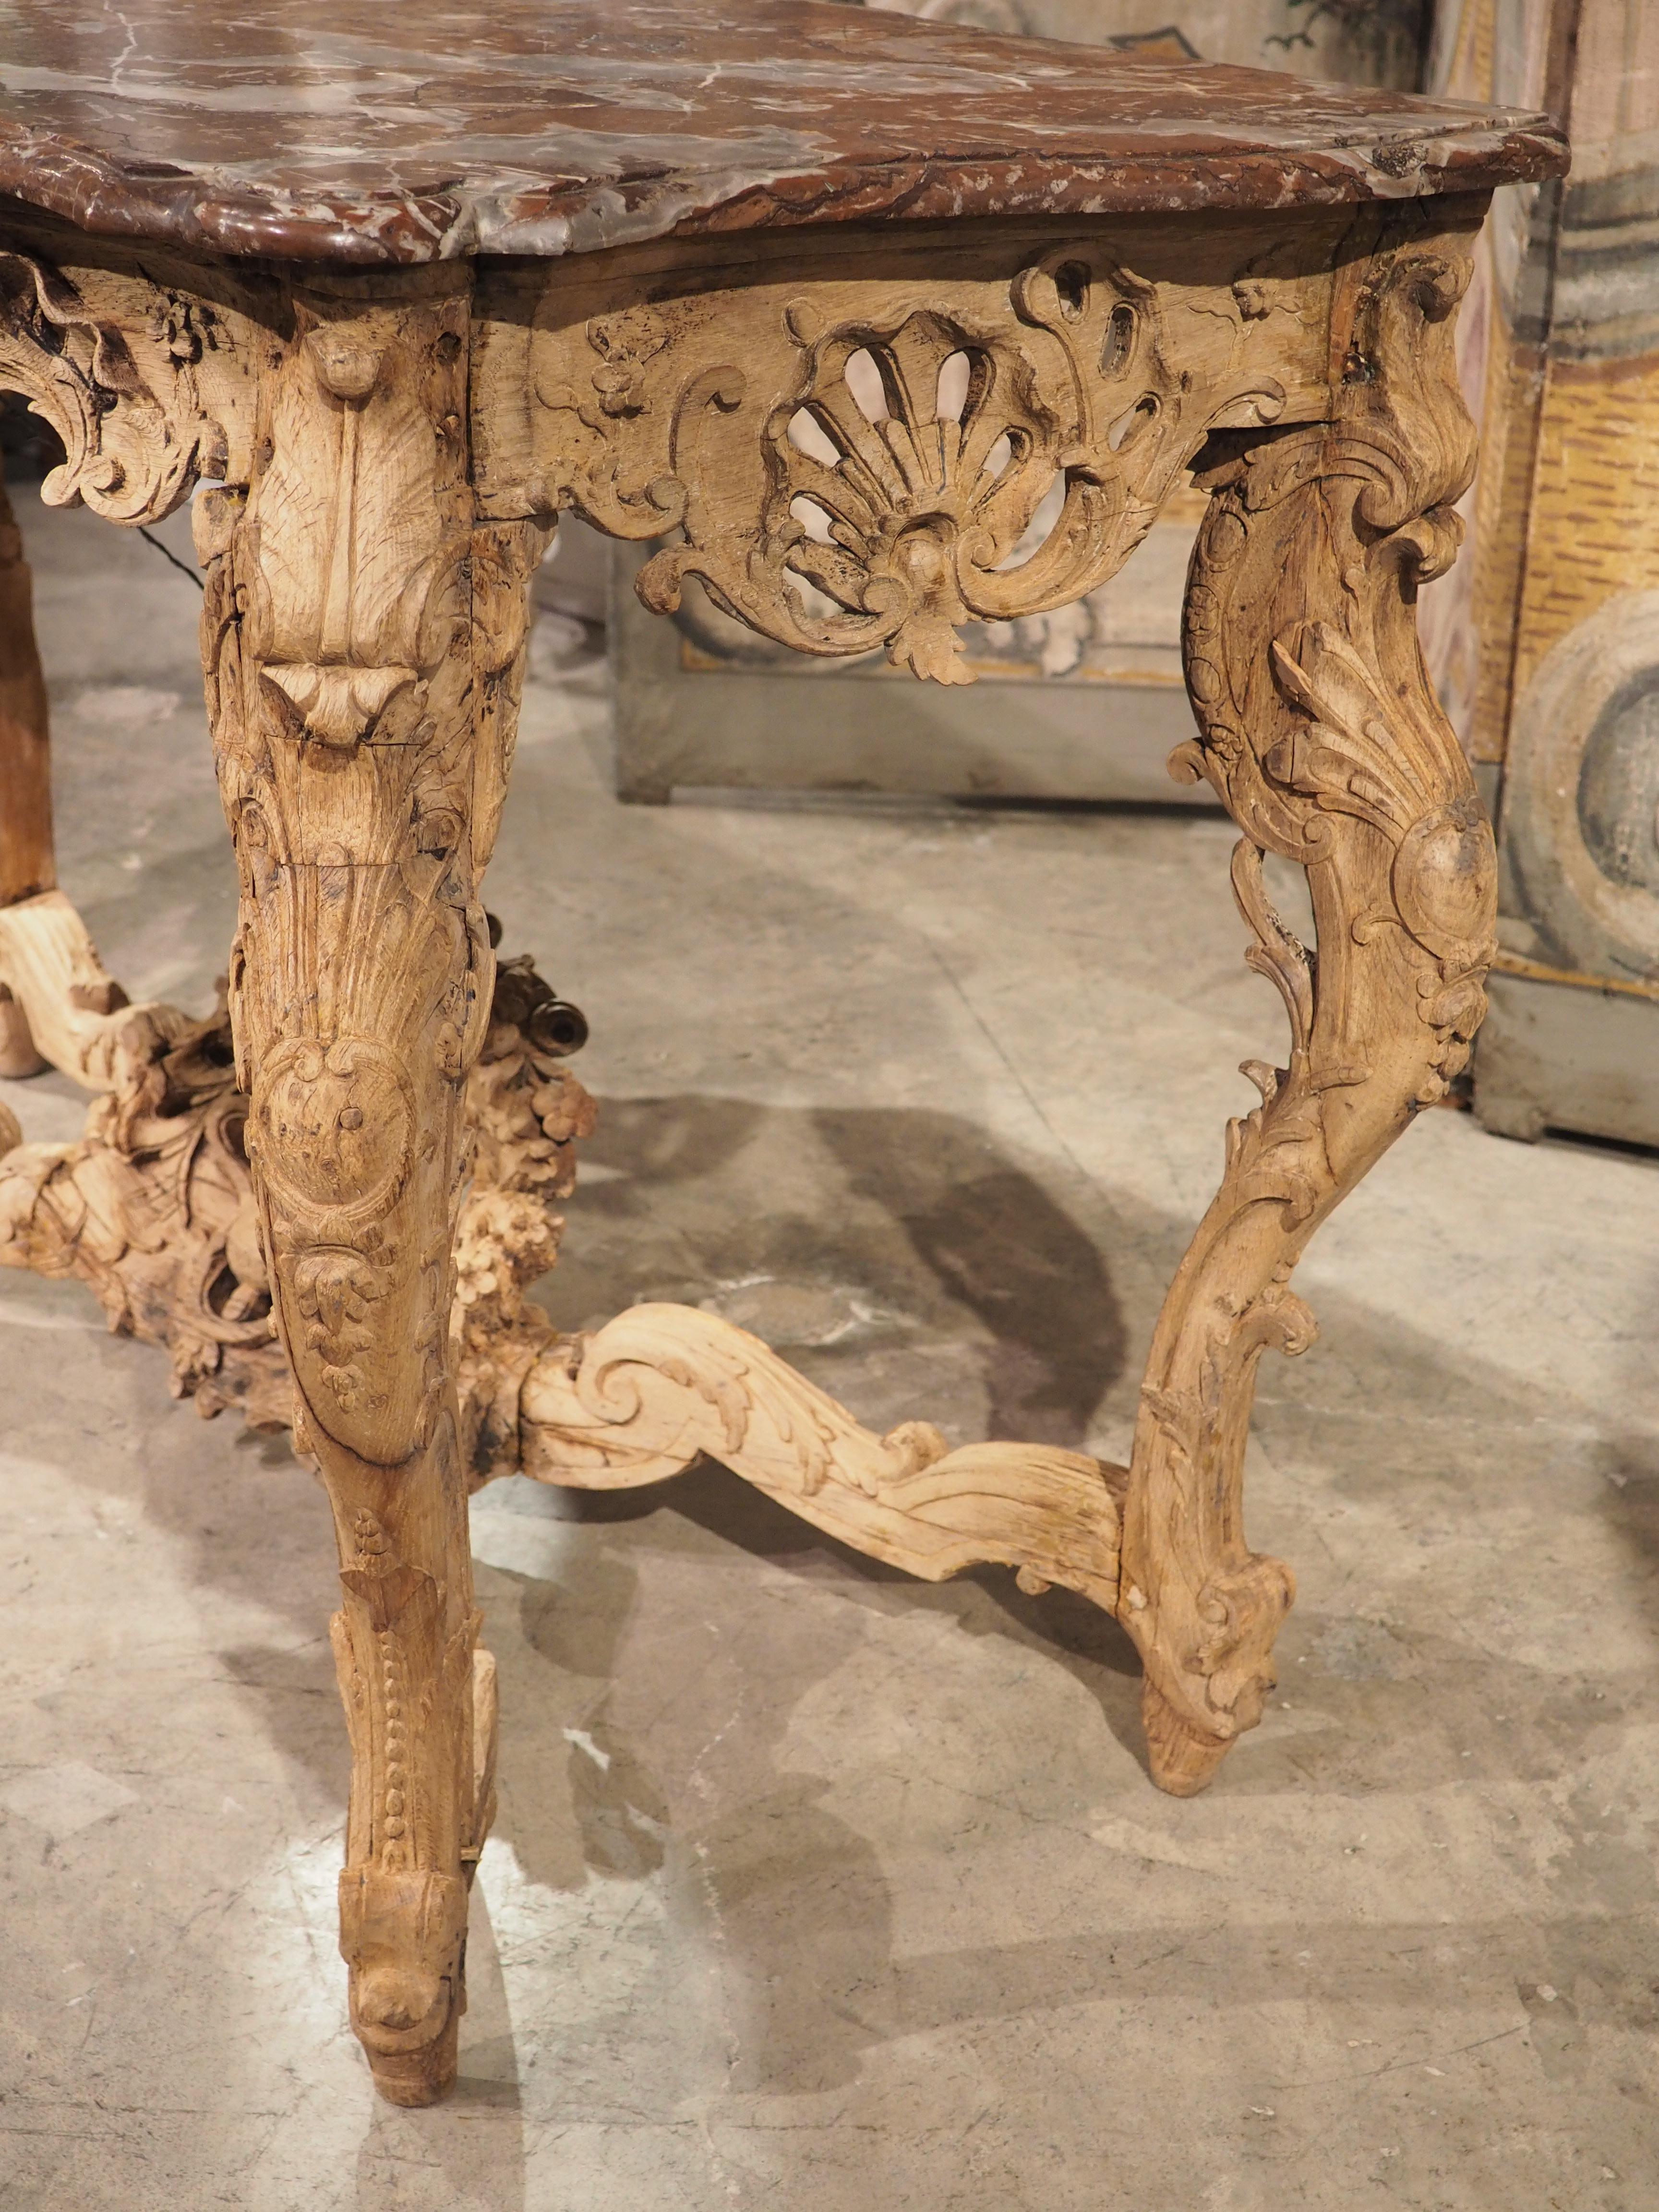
x=912, y=463
x=935, y=468
x=867, y=463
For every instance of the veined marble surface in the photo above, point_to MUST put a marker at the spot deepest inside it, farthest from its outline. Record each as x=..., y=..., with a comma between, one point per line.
x=357, y=131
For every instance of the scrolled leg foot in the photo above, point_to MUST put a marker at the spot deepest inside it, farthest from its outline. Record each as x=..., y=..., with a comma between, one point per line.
x=1182, y=1759
x=403, y=1937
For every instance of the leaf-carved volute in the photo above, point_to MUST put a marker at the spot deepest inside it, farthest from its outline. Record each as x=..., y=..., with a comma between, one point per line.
x=148, y=387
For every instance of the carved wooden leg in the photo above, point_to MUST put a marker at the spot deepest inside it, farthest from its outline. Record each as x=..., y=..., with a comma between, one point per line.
x=26, y=852
x=361, y=643
x=1321, y=735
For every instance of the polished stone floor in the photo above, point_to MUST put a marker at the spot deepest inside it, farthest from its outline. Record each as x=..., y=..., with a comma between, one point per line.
x=815, y=1889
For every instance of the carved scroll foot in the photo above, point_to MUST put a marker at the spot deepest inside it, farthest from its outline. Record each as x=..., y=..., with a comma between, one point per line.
x=404, y=1938
x=421, y=1707
x=424, y=2075
x=1180, y=1759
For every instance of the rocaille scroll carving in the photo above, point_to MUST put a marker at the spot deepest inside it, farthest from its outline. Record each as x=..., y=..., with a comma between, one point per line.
x=901, y=497
x=871, y=464
x=147, y=386
x=661, y=1385
x=153, y=1207
x=1320, y=734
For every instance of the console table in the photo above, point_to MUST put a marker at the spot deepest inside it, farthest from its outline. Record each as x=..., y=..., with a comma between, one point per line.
x=830, y=299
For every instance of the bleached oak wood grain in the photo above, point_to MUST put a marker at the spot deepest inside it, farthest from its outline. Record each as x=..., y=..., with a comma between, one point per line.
x=852, y=438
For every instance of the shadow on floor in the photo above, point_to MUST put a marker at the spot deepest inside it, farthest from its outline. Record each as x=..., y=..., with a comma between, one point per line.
x=640, y=1747
x=902, y=1221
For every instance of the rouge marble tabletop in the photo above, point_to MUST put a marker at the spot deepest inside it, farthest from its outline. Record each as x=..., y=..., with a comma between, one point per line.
x=354, y=131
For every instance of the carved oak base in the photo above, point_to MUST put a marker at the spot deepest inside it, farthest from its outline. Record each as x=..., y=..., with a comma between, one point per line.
x=371, y=1177
x=153, y=1209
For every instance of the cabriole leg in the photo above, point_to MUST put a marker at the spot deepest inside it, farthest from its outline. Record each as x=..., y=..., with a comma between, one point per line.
x=1323, y=738
x=361, y=643
x=26, y=849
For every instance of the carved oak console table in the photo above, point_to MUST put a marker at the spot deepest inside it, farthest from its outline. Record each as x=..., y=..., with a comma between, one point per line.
x=831, y=300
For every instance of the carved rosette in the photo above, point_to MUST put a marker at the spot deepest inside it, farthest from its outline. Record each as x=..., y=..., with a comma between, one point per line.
x=1322, y=736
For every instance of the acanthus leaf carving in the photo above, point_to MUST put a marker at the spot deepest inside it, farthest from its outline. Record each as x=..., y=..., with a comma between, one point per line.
x=379, y=1574
x=354, y=594
x=154, y=1207
x=661, y=1385
x=145, y=387
x=1240, y=1610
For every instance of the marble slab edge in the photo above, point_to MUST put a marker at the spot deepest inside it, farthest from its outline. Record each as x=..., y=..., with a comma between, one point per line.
x=197, y=211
